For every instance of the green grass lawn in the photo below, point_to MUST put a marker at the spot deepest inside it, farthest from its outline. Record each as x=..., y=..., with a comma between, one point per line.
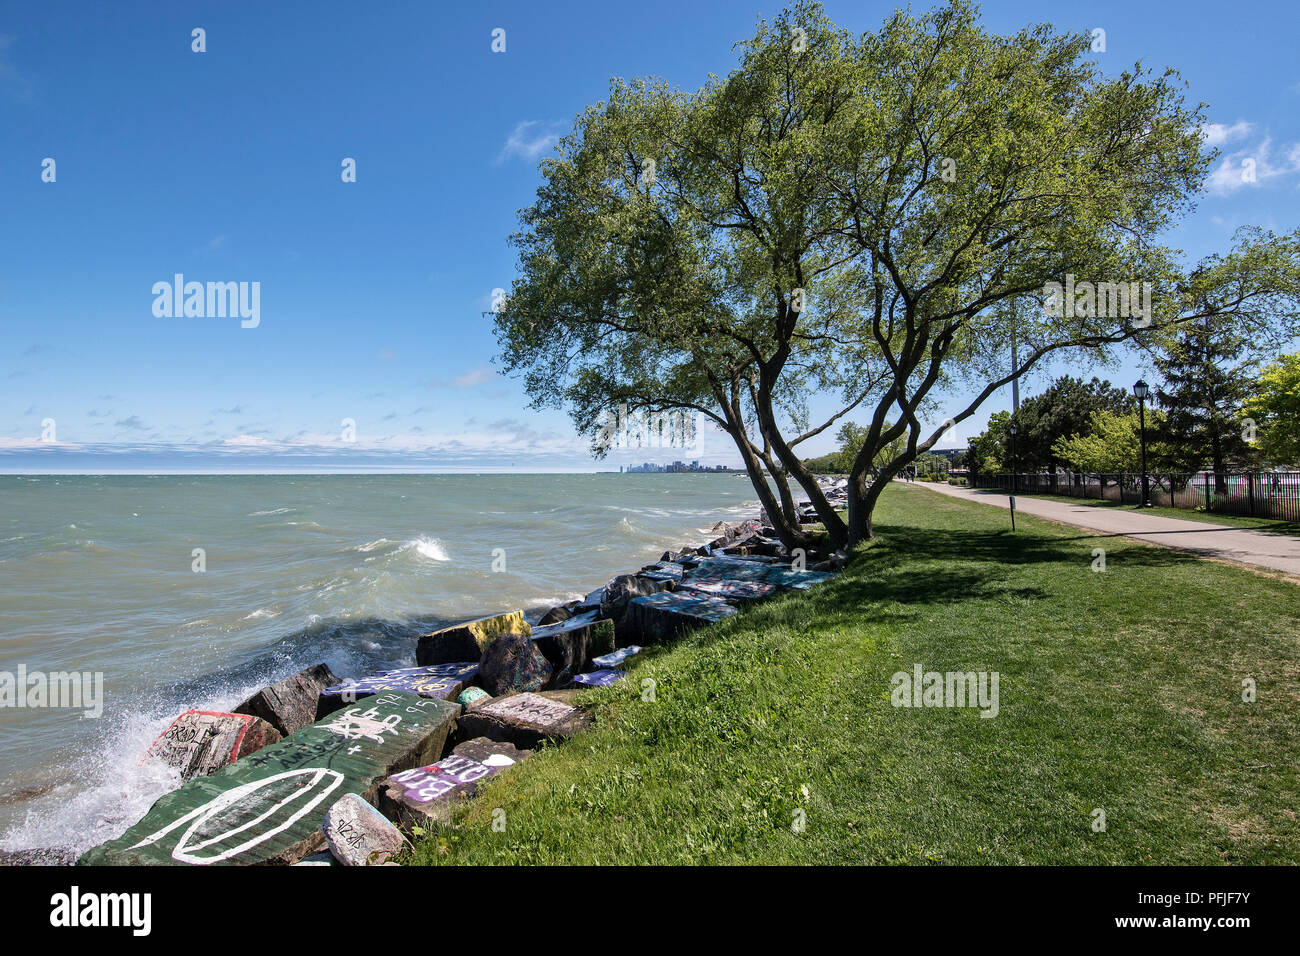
x=1119, y=691
x=1209, y=517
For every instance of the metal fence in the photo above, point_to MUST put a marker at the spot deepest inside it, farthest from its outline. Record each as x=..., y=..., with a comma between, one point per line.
x=1266, y=494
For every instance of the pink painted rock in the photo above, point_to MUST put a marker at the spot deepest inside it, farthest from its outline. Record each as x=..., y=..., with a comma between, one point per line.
x=201, y=742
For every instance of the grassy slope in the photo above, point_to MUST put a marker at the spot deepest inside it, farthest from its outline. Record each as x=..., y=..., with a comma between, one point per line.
x=1119, y=690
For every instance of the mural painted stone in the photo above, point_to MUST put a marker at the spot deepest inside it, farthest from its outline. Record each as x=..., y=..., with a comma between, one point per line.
x=524, y=720
x=443, y=681
x=664, y=571
x=727, y=588
x=268, y=806
x=290, y=705
x=659, y=617
x=792, y=580
x=513, y=663
x=614, y=658
x=201, y=742
x=599, y=678
x=433, y=792
x=468, y=640
x=472, y=696
x=359, y=835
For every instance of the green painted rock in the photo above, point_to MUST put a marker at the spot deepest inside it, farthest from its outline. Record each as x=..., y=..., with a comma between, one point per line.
x=467, y=641
x=268, y=807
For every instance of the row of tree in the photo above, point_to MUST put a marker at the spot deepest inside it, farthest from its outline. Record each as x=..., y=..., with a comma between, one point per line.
x=871, y=218
x=1221, y=406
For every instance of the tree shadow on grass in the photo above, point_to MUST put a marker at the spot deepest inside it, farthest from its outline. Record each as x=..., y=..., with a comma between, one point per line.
x=939, y=566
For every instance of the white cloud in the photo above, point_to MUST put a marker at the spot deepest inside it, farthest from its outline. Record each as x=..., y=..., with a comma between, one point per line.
x=1217, y=134
x=1253, y=167
x=529, y=139
x=477, y=377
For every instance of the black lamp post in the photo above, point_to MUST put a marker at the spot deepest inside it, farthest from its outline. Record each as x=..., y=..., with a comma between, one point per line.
x=1012, y=430
x=1140, y=391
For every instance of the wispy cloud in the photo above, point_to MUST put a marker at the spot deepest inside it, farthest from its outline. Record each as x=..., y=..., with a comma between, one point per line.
x=475, y=376
x=529, y=139
x=1218, y=134
x=1253, y=167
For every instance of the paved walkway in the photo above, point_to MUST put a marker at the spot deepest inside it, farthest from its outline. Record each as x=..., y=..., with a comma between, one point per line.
x=1264, y=549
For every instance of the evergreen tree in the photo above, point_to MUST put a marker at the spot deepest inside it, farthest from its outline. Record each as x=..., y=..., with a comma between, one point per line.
x=1208, y=370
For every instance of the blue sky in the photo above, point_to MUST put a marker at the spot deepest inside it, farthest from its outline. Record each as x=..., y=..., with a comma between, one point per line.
x=225, y=166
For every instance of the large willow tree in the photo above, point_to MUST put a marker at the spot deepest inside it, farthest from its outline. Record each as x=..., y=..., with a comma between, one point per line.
x=875, y=218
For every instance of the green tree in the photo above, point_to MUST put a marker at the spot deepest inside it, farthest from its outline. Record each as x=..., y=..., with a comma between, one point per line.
x=989, y=452
x=1063, y=409
x=1111, y=444
x=1209, y=370
x=1274, y=411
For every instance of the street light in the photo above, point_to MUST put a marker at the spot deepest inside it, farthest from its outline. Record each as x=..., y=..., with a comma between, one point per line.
x=1012, y=430
x=1140, y=391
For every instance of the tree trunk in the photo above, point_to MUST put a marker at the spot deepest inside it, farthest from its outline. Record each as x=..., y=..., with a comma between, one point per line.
x=836, y=530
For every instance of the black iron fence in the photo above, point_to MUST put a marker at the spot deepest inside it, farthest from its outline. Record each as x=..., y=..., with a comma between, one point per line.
x=1265, y=494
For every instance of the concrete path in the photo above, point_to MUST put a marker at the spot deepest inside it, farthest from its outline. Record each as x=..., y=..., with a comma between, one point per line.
x=1264, y=549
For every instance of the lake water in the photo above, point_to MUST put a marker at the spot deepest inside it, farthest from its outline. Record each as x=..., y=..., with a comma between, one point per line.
x=97, y=575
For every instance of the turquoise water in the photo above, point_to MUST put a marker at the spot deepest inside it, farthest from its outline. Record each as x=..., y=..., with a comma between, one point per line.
x=97, y=575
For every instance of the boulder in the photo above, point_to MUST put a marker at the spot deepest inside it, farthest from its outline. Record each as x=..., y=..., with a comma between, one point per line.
x=512, y=662
x=524, y=720
x=472, y=696
x=290, y=705
x=619, y=593
x=358, y=834
x=201, y=742
x=791, y=580
x=567, y=645
x=726, y=588
x=660, y=617
x=468, y=640
x=433, y=792
x=663, y=571
x=441, y=681
x=591, y=602
x=267, y=807
x=555, y=615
